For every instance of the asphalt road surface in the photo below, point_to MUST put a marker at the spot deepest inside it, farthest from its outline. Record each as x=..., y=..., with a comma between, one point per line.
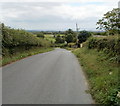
x=49, y=78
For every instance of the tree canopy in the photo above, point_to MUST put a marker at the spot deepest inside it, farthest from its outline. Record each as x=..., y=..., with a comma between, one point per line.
x=70, y=36
x=83, y=35
x=59, y=39
x=40, y=34
x=110, y=22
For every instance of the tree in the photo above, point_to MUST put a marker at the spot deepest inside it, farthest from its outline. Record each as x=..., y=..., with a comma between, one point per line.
x=70, y=36
x=83, y=36
x=40, y=34
x=59, y=39
x=110, y=22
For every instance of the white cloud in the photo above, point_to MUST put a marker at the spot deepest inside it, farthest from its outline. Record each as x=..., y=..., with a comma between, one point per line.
x=55, y=14
x=59, y=0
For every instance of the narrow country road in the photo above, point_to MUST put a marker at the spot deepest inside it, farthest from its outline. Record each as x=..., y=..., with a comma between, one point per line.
x=49, y=78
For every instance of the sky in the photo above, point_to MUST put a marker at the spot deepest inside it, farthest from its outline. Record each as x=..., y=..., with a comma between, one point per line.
x=57, y=15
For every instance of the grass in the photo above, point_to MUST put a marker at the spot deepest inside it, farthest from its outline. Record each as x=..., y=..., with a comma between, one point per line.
x=51, y=38
x=69, y=48
x=23, y=54
x=60, y=35
x=102, y=75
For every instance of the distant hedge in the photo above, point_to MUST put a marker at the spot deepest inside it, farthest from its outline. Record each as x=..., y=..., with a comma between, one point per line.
x=110, y=45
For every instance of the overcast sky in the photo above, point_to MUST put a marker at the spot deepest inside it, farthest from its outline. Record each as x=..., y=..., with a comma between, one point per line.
x=54, y=14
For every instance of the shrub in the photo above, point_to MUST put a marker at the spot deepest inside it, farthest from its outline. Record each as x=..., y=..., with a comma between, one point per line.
x=83, y=36
x=71, y=44
x=110, y=45
x=59, y=39
x=19, y=38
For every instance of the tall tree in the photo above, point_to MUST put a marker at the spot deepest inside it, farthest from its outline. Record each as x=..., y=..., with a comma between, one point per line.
x=70, y=36
x=83, y=36
x=59, y=39
x=110, y=22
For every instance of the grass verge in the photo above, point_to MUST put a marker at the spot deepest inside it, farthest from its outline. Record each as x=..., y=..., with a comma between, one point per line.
x=102, y=75
x=23, y=54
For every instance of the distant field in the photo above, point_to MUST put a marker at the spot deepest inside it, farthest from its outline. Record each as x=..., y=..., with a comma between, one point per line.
x=61, y=34
x=50, y=37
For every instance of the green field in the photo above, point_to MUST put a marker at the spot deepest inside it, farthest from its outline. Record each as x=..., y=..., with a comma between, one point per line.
x=50, y=37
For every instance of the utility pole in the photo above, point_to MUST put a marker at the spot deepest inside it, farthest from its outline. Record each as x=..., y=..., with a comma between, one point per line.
x=77, y=29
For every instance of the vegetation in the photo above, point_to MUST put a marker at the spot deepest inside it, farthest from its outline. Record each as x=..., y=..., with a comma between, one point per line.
x=83, y=36
x=63, y=39
x=23, y=53
x=60, y=39
x=99, y=33
x=109, y=45
x=16, y=40
x=100, y=58
x=102, y=75
x=70, y=36
x=20, y=38
x=50, y=38
x=40, y=35
x=110, y=22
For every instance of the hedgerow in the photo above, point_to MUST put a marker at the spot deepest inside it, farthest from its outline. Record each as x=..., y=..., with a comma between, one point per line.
x=110, y=45
x=18, y=38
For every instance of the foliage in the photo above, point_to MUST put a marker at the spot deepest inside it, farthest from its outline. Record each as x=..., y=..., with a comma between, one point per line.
x=113, y=98
x=99, y=33
x=59, y=39
x=110, y=45
x=110, y=22
x=102, y=75
x=50, y=38
x=41, y=35
x=83, y=36
x=20, y=38
x=21, y=53
x=70, y=36
x=71, y=44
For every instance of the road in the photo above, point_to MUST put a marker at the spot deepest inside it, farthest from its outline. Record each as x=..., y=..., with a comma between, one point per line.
x=49, y=78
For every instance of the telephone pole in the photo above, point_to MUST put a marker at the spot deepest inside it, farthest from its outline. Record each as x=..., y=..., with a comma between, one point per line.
x=77, y=29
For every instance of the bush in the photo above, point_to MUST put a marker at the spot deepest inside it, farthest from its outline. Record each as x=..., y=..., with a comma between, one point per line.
x=92, y=42
x=103, y=76
x=41, y=35
x=19, y=38
x=70, y=36
x=83, y=36
x=59, y=39
x=60, y=45
x=110, y=45
x=71, y=44
x=113, y=98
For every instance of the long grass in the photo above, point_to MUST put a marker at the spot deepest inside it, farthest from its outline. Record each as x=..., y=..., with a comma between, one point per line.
x=22, y=54
x=102, y=74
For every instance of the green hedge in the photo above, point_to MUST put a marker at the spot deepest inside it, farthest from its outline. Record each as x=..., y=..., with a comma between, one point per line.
x=12, y=38
x=110, y=45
